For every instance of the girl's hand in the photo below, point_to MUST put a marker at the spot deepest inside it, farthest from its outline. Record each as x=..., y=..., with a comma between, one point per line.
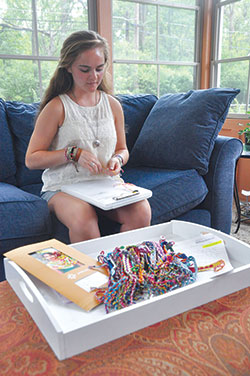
x=89, y=161
x=113, y=166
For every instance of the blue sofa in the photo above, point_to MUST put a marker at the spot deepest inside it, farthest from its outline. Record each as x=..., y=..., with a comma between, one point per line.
x=174, y=149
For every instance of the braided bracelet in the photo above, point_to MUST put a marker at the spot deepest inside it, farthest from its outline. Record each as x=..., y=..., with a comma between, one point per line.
x=119, y=157
x=72, y=154
x=140, y=271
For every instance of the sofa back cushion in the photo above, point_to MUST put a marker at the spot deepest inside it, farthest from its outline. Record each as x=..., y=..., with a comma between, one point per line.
x=21, y=118
x=173, y=191
x=181, y=129
x=7, y=156
x=136, y=109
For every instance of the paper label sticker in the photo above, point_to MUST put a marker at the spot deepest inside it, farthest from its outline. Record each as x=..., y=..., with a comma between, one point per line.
x=92, y=281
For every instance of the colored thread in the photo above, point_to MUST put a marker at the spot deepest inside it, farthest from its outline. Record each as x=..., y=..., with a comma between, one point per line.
x=137, y=272
x=216, y=266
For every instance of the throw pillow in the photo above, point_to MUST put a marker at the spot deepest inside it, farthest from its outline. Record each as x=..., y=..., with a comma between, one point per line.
x=21, y=118
x=7, y=157
x=136, y=109
x=181, y=129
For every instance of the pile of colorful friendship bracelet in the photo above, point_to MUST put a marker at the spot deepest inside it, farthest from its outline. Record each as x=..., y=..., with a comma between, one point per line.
x=138, y=272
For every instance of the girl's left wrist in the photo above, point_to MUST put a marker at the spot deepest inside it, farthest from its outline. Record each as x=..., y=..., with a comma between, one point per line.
x=119, y=157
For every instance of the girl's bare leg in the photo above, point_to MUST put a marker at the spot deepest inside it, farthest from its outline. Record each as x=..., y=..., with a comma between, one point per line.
x=132, y=216
x=79, y=216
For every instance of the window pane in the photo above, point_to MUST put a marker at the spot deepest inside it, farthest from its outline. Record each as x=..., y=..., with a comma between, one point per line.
x=135, y=79
x=47, y=70
x=16, y=27
x=176, y=34
x=175, y=79
x=134, y=31
x=19, y=80
x=56, y=20
x=235, y=29
x=235, y=75
x=181, y=2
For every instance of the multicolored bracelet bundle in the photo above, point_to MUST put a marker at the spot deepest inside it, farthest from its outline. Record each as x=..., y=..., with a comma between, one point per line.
x=140, y=271
x=72, y=154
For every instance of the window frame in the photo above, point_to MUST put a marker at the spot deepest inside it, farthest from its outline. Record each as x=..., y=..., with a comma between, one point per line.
x=198, y=40
x=215, y=58
x=92, y=25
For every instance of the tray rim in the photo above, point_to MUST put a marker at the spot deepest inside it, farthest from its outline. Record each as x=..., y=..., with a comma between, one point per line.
x=61, y=343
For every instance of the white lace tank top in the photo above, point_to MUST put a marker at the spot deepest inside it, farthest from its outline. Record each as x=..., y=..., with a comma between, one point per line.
x=82, y=126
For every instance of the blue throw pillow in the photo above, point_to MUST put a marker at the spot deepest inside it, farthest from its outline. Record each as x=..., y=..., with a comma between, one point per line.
x=7, y=156
x=136, y=109
x=181, y=129
x=21, y=118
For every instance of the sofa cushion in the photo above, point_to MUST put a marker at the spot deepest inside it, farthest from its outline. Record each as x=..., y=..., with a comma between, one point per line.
x=199, y=216
x=34, y=189
x=7, y=156
x=181, y=129
x=173, y=191
x=21, y=118
x=136, y=109
x=22, y=214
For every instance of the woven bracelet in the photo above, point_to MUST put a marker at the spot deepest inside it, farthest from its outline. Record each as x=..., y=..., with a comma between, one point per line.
x=70, y=153
x=119, y=157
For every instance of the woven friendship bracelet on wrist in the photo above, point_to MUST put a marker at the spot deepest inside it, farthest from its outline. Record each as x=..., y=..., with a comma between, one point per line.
x=119, y=157
x=72, y=155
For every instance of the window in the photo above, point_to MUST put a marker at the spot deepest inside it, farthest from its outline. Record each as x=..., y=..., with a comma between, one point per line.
x=31, y=35
x=231, y=53
x=155, y=46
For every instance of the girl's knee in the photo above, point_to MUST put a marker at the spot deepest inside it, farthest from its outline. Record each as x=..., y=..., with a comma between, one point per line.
x=140, y=214
x=145, y=213
x=85, y=224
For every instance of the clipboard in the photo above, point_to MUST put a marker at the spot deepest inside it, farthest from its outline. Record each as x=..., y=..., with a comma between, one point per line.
x=107, y=193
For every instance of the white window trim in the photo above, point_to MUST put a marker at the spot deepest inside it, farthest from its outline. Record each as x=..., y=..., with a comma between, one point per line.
x=215, y=61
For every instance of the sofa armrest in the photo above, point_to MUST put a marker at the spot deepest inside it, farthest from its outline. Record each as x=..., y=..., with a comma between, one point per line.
x=23, y=216
x=220, y=182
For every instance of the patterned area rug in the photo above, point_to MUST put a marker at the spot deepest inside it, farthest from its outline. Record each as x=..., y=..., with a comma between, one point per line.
x=243, y=233
x=211, y=340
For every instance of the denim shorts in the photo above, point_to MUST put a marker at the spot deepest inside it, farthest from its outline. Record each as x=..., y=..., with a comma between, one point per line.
x=48, y=194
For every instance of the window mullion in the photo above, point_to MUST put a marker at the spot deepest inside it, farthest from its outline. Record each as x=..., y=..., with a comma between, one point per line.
x=92, y=15
x=157, y=50
x=248, y=88
x=35, y=42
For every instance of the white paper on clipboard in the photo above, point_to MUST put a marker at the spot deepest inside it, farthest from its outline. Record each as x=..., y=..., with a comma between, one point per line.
x=107, y=193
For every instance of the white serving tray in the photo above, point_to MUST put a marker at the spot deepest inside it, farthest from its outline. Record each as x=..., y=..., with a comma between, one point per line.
x=70, y=331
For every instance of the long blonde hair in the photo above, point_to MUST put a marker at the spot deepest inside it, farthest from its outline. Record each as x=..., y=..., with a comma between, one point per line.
x=78, y=42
